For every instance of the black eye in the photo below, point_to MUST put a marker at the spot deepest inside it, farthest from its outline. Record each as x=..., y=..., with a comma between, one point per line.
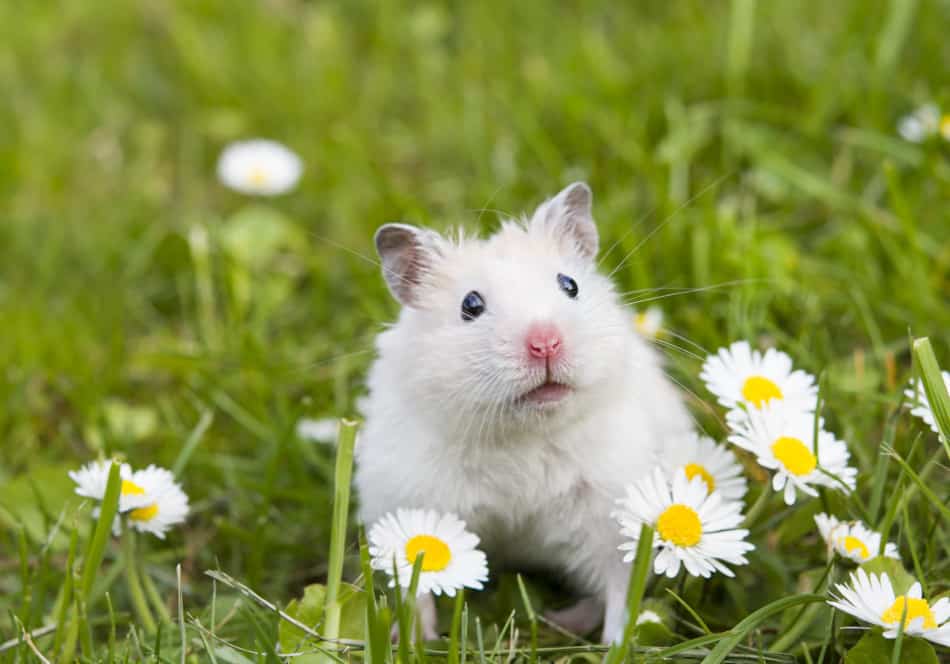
x=472, y=306
x=567, y=285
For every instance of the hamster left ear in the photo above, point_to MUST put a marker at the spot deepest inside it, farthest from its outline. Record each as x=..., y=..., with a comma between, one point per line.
x=568, y=215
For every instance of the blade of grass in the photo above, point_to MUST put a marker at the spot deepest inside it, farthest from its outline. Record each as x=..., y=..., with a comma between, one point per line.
x=638, y=582
x=102, y=532
x=453, y=656
x=935, y=388
x=921, y=486
x=341, y=509
x=753, y=620
x=532, y=618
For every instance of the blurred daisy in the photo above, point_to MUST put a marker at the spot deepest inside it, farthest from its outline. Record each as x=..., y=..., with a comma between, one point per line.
x=166, y=506
x=783, y=440
x=649, y=322
x=740, y=375
x=692, y=527
x=701, y=456
x=92, y=478
x=871, y=598
x=259, y=167
x=648, y=616
x=918, y=398
x=323, y=430
x=450, y=560
x=922, y=124
x=852, y=540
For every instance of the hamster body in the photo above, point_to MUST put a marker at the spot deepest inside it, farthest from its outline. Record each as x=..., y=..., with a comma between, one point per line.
x=514, y=391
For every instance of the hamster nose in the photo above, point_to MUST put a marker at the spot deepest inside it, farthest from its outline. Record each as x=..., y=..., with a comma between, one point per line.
x=544, y=341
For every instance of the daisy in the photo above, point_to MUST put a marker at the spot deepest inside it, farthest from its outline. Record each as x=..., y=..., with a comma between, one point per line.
x=691, y=526
x=922, y=124
x=166, y=506
x=871, y=598
x=783, y=439
x=740, y=375
x=852, y=540
x=91, y=482
x=259, y=167
x=323, y=430
x=648, y=616
x=700, y=456
x=450, y=560
x=921, y=404
x=649, y=322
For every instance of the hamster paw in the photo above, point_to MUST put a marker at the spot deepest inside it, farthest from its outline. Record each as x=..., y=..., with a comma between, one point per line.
x=580, y=618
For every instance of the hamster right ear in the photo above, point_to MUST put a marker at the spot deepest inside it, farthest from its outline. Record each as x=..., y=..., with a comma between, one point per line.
x=407, y=254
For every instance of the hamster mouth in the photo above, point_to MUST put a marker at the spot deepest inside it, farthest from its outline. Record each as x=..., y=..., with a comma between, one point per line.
x=549, y=392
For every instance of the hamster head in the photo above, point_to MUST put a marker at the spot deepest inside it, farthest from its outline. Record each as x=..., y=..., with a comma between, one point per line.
x=518, y=326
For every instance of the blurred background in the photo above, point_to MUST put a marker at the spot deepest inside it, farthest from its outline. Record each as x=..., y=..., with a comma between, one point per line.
x=147, y=310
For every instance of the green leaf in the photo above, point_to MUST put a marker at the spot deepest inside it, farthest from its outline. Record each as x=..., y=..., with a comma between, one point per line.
x=19, y=501
x=901, y=579
x=873, y=648
x=309, y=610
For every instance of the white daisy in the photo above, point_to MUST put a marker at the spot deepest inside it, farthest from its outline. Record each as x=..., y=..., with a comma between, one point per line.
x=323, y=430
x=920, y=125
x=871, y=598
x=91, y=482
x=648, y=322
x=691, y=526
x=166, y=506
x=716, y=464
x=740, y=375
x=782, y=439
x=450, y=560
x=852, y=540
x=259, y=167
x=918, y=398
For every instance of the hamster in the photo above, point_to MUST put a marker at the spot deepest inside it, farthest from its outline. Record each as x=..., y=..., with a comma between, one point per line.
x=514, y=391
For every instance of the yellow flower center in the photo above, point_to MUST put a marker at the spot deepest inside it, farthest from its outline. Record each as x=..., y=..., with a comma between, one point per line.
x=916, y=608
x=130, y=488
x=757, y=390
x=680, y=525
x=694, y=469
x=146, y=513
x=852, y=544
x=797, y=459
x=945, y=126
x=437, y=553
x=258, y=176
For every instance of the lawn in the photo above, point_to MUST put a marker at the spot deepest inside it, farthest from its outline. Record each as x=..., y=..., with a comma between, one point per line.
x=748, y=178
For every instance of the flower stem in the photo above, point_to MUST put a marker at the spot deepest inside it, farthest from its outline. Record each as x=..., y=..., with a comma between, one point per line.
x=134, y=582
x=753, y=514
x=638, y=584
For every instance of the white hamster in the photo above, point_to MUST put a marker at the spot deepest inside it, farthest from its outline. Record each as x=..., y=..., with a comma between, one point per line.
x=514, y=391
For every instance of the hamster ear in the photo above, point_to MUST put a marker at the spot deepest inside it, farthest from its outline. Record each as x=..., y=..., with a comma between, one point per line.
x=406, y=253
x=568, y=215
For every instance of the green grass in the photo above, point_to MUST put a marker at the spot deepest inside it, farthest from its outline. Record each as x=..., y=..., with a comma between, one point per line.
x=744, y=143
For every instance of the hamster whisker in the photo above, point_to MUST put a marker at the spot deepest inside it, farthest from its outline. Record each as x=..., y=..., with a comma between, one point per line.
x=688, y=291
x=698, y=399
x=669, y=218
x=669, y=344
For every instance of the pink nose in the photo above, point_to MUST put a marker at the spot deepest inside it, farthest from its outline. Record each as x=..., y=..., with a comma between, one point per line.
x=543, y=341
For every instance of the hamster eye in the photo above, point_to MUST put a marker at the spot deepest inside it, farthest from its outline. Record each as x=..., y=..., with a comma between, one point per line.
x=567, y=285
x=472, y=306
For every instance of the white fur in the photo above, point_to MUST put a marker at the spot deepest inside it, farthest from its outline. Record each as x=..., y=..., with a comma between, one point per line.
x=443, y=429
